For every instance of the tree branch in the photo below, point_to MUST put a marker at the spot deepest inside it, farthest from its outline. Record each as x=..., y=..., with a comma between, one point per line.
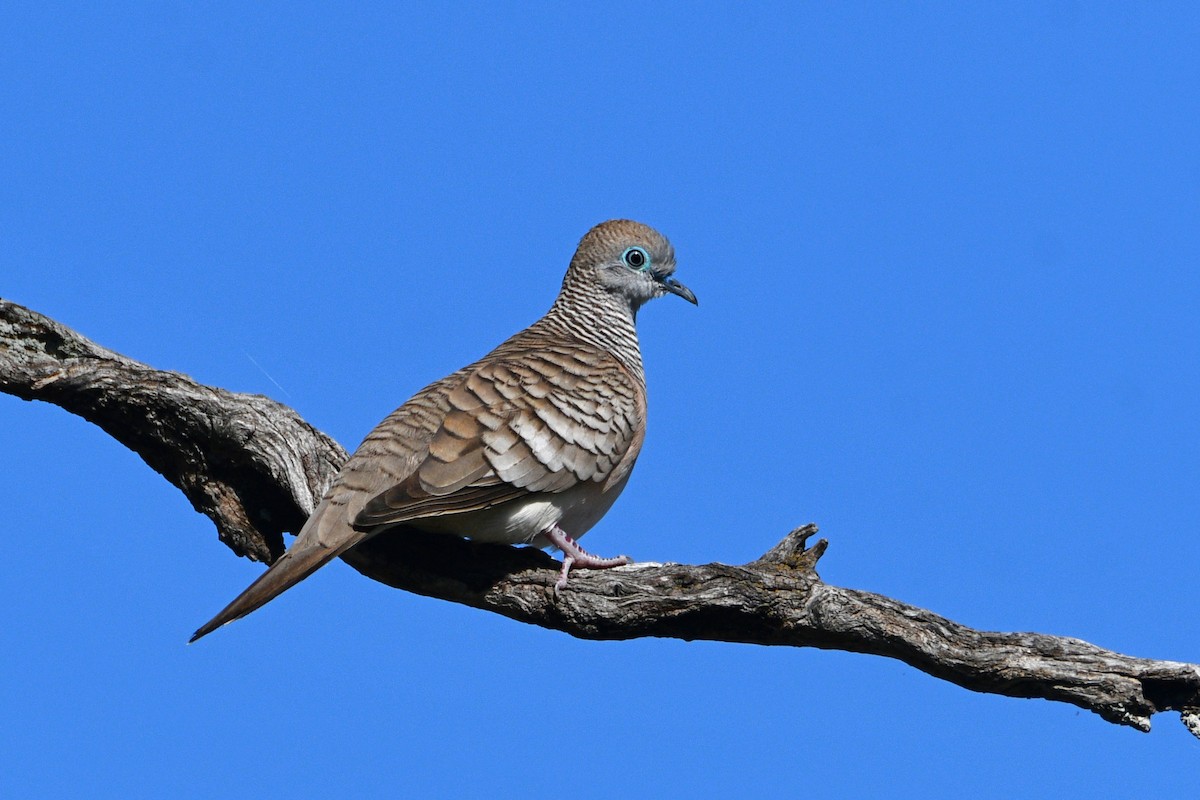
x=256, y=469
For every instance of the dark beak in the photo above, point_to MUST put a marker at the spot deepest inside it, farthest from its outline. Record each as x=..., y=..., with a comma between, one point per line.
x=675, y=287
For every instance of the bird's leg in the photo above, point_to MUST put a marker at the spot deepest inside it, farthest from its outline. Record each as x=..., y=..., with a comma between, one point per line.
x=575, y=557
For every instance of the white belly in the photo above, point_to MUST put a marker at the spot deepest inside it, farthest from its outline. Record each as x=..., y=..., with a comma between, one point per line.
x=522, y=521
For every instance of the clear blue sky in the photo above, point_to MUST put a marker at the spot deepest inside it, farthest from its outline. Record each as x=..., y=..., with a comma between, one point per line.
x=947, y=260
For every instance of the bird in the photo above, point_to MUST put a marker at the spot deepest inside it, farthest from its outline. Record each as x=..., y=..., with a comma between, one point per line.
x=531, y=444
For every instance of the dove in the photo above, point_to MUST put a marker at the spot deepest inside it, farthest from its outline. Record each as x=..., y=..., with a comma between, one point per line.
x=531, y=444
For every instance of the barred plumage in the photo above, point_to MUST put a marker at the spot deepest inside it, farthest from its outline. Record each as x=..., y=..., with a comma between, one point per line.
x=530, y=444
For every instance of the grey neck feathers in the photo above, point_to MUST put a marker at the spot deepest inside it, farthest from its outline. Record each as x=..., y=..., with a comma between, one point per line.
x=587, y=312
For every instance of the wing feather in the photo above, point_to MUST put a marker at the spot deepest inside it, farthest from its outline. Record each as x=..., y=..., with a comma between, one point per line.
x=537, y=420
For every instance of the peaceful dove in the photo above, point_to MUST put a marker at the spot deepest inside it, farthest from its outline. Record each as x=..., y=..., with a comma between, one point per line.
x=531, y=444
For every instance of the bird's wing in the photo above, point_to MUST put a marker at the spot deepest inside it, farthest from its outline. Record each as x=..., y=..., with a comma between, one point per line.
x=537, y=420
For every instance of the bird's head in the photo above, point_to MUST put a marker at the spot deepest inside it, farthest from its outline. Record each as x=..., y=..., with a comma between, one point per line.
x=630, y=260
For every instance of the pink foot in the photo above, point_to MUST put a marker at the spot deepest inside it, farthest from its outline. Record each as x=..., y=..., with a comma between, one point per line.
x=575, y=557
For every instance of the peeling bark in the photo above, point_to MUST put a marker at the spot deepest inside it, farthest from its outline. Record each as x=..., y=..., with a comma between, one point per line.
x=255, y=468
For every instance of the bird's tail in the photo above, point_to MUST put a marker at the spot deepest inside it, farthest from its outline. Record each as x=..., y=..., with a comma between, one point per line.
x=291, y=568
x=314, y=547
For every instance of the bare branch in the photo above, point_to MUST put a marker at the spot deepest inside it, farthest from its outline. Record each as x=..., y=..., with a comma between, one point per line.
x=255, y=468
x=249, y=463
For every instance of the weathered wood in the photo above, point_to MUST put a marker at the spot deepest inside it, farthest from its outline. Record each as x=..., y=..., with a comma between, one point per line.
x=256, y=469
x=252, y=465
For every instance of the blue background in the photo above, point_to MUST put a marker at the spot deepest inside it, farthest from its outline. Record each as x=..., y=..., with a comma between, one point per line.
x=946, y=257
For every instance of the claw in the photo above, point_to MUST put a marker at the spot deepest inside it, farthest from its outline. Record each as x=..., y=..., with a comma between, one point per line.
x=575, y=557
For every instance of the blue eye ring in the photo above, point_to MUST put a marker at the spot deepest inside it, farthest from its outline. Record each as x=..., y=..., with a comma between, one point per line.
x=636, y=258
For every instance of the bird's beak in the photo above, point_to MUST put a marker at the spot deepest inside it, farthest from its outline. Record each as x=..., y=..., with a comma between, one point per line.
x=675, y=287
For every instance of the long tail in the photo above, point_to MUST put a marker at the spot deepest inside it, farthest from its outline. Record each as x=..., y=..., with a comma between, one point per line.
x=291, y=568
x=312, y=549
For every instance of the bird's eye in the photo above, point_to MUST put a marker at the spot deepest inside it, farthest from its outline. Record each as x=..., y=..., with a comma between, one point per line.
x=635, y=258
